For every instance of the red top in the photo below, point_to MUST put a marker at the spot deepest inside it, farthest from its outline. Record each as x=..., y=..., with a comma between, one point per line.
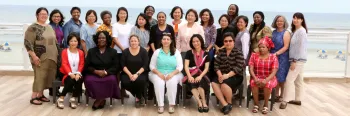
x=65, y=68
x=263, y=67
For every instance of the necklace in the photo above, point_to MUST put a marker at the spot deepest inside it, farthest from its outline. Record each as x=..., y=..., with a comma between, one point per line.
x=73, y=59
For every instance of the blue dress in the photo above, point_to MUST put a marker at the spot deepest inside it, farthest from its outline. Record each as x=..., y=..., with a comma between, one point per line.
x=283, y=59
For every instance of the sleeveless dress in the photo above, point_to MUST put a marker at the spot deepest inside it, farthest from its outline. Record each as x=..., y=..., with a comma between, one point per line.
x=283, y=59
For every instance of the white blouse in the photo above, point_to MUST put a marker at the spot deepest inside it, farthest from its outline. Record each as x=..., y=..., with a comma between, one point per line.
x=122, y=32
x=73, y=59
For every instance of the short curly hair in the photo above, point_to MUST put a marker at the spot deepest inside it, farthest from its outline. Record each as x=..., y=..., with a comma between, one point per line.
x=108, y=38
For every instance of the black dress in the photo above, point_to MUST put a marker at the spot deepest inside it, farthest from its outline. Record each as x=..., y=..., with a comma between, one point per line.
x=134, y=64
x=204, y=83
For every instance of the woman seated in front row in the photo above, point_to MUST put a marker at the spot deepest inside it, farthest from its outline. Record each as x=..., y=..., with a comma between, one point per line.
x=228, y=66
x=166, y=65
x=134, y=62
x=196, y=68
x=102, y=65
x=72, y=67
x=263, y=67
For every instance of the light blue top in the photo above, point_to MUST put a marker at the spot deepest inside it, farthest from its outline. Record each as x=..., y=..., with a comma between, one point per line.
x=298, y=46
x=86, y=34
x=70, y=27
x=166, y=63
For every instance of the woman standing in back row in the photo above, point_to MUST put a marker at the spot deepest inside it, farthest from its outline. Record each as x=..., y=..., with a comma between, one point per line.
x=88, y=30
x=297, y=58
x=281, y=39
x=258, y=30
x=149, y=11
x=186, y=31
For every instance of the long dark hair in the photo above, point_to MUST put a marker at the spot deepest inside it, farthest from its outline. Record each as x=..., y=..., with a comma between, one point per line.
x=147, y=25
x=172, y=44
x=211, y=17
x=232, y=18
x=255, y=26
x=299, y=15
x=61, y=15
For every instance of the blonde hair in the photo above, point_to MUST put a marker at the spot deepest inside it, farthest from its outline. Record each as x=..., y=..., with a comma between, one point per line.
x=274, y=25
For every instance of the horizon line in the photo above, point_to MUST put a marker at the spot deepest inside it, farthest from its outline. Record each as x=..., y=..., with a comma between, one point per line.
x=170, y=8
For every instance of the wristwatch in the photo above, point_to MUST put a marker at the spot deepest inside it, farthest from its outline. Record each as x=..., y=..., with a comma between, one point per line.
x=138, y=74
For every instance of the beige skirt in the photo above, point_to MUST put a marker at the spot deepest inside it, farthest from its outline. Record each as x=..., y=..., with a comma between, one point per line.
x=44, y=75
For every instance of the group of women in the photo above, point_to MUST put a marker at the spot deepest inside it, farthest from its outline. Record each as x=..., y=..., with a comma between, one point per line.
x=164, y=56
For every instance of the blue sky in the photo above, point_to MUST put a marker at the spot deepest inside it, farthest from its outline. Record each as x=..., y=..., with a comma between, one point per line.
x=318, y=6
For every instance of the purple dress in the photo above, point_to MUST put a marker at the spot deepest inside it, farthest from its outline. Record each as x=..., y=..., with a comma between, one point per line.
x=283, y=59
x=105, y=87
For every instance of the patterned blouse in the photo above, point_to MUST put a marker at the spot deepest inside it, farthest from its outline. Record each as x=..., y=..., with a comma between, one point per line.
x=42, y=41
x=210, y=35
x=233, y=62
x=256, y=36
x=263, y=67
x=104, y=27
x=143, y=35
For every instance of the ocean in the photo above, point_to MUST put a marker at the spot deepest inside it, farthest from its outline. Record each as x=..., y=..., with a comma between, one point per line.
x=327, y=31
x=315, y=21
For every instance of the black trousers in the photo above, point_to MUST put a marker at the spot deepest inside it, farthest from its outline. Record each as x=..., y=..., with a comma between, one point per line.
x=136, y=87
x=72, y=85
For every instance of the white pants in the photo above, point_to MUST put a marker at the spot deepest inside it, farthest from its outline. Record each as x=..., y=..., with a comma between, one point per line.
x=171, y=85
x=294, y=83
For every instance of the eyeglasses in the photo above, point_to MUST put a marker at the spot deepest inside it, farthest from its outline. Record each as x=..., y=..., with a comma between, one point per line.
x=149, y=10
x=228, y=41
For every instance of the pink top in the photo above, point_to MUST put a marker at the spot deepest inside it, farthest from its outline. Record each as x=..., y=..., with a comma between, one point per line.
x=184, y=36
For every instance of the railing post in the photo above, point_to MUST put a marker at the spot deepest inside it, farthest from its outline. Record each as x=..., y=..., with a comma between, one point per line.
x=26, y=61
x=347, y=54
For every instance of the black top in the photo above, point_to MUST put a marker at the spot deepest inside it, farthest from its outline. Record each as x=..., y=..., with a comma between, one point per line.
x=220, y=33
x=233, y=62
x=134, y=63
x=106, y=61
x=190, y=56
x=156, y=35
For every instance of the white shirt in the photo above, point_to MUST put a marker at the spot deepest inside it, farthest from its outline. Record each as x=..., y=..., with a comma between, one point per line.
x=73, y=59
x=122, y=32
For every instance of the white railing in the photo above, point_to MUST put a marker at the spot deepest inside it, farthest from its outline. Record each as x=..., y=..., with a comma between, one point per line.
x=320, y=35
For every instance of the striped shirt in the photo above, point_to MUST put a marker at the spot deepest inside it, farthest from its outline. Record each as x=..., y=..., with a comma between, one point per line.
x=233, y=62
x=298, y=46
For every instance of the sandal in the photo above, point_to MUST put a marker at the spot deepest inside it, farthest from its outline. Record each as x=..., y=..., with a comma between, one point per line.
x=73, y=103
x=44, y=99
x=59, y=103
x=255, y=109
x=171, y=109
x=279, y=99
x=36, y=103
x=265, y=110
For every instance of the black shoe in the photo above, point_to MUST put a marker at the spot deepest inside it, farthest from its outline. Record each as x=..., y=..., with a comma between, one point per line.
x=200, y=109
x=205, y=109
x=226, y=109
x=102, y=105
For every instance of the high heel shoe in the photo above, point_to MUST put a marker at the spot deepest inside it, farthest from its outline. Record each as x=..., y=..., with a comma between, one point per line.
x=205, y=109
x=59, y=103
x=73, y=103
x=200, y=109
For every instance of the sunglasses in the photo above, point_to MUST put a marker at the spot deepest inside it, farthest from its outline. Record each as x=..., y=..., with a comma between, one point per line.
x=228, y=41
x=167, y=34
